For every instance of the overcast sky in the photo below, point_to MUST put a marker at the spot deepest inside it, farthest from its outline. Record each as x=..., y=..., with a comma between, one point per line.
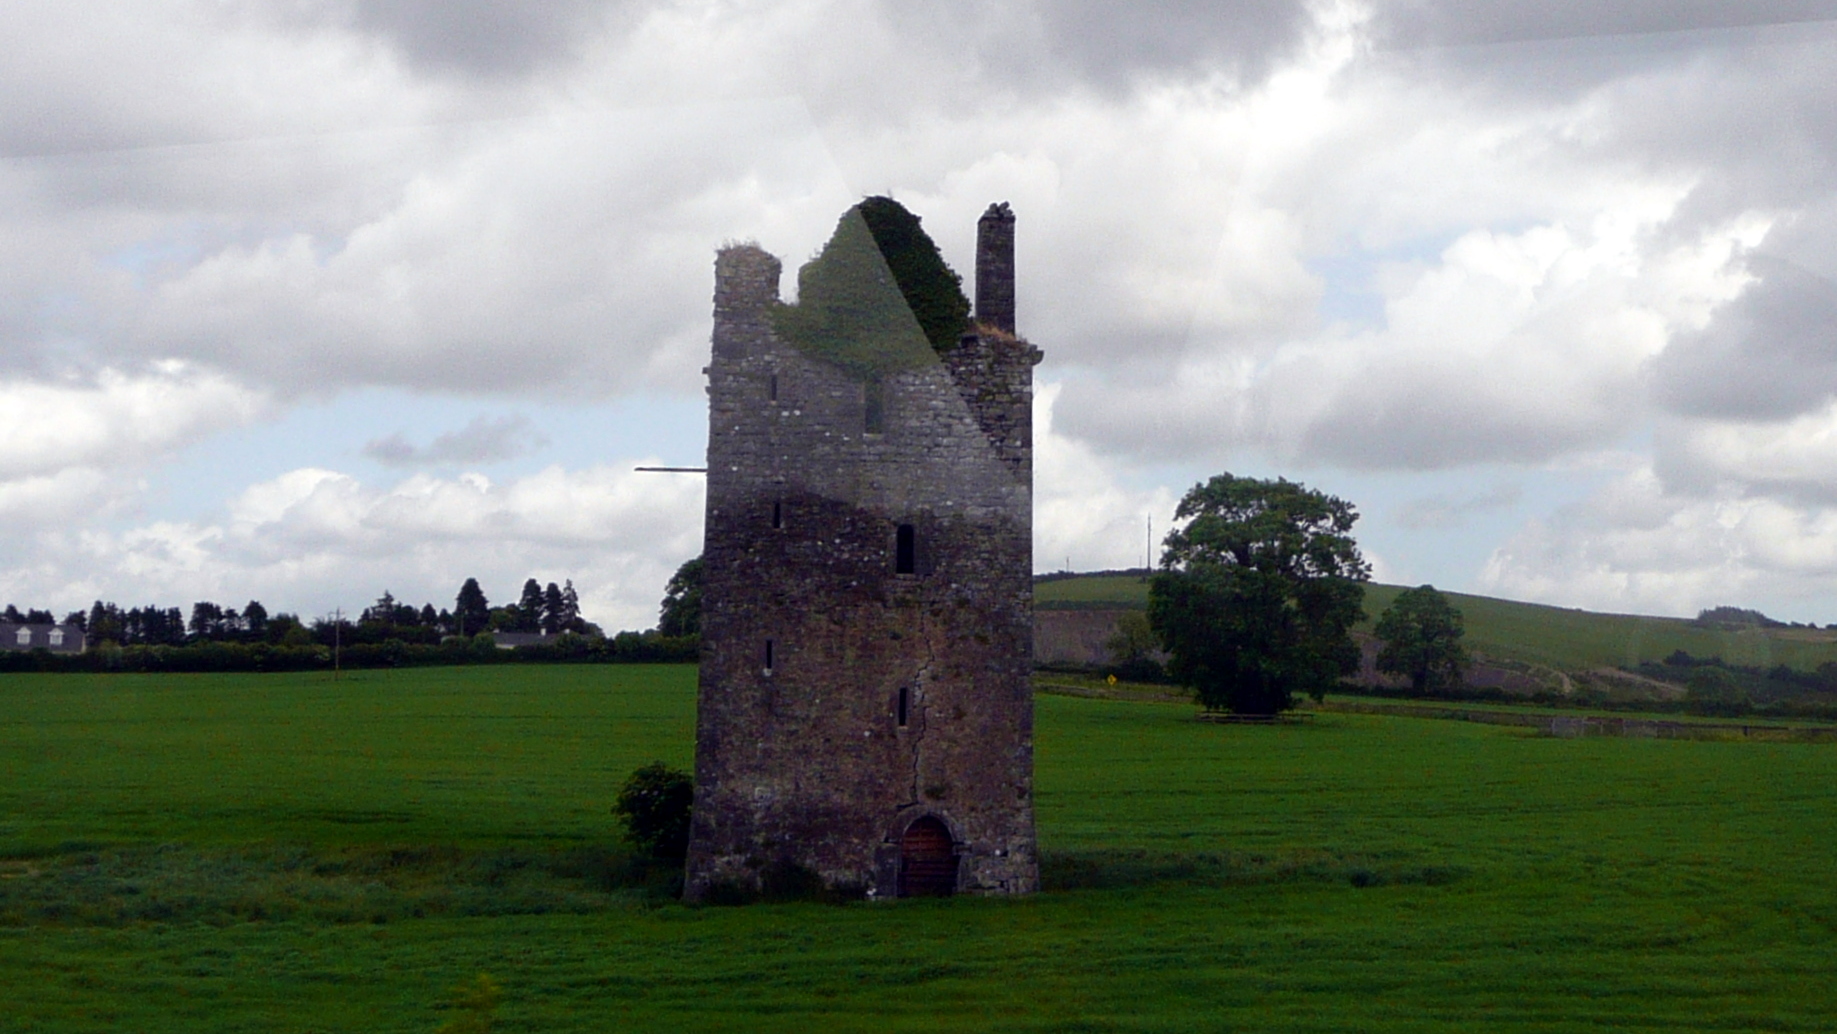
x=303, y=300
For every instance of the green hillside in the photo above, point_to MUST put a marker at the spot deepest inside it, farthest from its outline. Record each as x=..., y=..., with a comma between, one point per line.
x=1557, y=636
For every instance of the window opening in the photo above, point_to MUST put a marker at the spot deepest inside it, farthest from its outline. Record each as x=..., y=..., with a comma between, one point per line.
x=778, y=514
x=768, y=656
x=904, y=695
x=773, y=388
x=905, y=550
x=876, y=408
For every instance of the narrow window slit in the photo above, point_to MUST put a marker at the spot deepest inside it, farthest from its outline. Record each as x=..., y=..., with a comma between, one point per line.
x=772, y=387
x=778, y=514
x=904, y=694
x=768, y=656
x=876, y=408
x=905, y=550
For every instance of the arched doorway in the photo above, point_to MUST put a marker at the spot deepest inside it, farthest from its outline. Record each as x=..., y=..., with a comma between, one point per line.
x=927, y=861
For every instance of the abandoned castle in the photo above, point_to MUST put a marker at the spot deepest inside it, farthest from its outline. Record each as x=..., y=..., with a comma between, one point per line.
x=865, y=720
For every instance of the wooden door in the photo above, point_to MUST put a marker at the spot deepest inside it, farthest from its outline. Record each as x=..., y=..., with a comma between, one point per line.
x=927, y=860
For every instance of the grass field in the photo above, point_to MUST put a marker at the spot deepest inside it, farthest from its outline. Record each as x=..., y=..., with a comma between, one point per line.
x=336, y=856
x=1560, y=637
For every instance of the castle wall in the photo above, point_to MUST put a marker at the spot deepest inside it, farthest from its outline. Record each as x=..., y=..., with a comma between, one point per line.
x=806, y=764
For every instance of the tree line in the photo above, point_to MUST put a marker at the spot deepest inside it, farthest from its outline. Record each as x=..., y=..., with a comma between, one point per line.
x=388, y=633
x=552, y=610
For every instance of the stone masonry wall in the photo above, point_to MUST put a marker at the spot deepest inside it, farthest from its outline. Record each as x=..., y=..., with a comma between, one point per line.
x=804, y=763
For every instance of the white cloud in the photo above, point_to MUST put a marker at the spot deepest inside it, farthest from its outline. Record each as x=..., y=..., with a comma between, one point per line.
x=1634, y=547
x=45, y=499
x=1796, y=457
x=119, y=419
x=1081, y=514
x=312, y=539
x=72, y=452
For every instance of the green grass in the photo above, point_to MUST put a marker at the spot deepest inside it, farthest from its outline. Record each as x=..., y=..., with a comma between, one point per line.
x=1352, y=873
x=1560, y=637
x=467, y=756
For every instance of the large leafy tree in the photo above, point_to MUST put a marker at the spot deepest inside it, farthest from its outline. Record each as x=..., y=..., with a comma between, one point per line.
x=255, y=617
x=1257, y=593
x=682, y=601
x=1422, y=640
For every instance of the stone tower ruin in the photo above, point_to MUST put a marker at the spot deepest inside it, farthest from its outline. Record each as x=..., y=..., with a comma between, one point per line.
x=865, y=720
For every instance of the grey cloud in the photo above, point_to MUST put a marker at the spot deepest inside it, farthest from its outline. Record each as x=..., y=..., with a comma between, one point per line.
x=1045, y=46
x=487, y=37
x=482, y=440
x=1442, y=511
x=1769, y=354
x=1417, y=23
x=1431, y=423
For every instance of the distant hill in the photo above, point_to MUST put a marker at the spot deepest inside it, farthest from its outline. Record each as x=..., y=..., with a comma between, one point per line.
x=1559, y=637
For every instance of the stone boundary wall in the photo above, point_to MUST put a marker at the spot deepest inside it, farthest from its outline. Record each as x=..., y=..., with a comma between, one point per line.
x=1073, y=636
x=1565, y=726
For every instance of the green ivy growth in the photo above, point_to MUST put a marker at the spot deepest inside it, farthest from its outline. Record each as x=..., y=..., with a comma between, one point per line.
x=878, y=298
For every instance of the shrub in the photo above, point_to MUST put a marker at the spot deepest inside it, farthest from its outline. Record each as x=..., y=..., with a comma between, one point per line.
x=655, y=804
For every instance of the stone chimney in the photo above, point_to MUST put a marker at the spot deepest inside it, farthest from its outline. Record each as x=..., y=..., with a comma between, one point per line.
x=995, y=267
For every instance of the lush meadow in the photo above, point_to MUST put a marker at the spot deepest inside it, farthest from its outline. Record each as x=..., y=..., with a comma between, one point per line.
x=288, y=853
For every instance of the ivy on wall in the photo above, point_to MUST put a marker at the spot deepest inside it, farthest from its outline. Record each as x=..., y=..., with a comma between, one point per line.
x=879, y=297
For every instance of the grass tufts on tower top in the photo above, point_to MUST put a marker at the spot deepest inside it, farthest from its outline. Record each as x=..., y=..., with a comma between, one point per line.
x=878, y=298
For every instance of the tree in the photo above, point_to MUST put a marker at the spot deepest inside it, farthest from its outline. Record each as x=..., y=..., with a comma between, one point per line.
x=206, y=620
x=1257, y=593
x=287, y=630
x=1713, y=689
x=382, y=612
x=471, y=611
x=1132, y=648
x=529, y=608
x=1422, y=640
x=255, y=616
x=570, y=609
x=104, y=622
x=682, y=601
x=554, y=621
x=655, y=804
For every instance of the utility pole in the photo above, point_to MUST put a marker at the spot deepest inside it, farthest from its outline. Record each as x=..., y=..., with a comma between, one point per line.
x=1148, y=546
